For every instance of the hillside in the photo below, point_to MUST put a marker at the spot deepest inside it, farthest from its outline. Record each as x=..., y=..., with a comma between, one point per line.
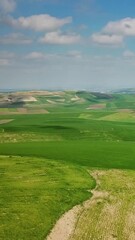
x=48, y=158
x=50, y=101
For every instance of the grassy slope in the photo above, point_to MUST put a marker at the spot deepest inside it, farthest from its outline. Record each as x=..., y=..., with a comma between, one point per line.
x=82, y=141
x=35, y=192
x=71, y=137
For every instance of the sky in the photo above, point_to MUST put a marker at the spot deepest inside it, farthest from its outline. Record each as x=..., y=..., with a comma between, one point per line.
x=67, y=44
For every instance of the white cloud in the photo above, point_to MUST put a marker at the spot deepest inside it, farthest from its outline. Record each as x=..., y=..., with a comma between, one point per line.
x=42, y=22
x=60, y=38
x=7, y=58
x=125, y=27
x=15, y=38
x=104, y=39
x=74, y=54
x=35, y=56
x=128, y=53
x=4, y=62
x=7, y=6
x=53, y=58
x=115, y=32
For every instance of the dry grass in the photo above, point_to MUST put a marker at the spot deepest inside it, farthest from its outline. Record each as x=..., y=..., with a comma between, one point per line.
x=6, y=137
x=97, y=106
x=110, y=214
x=3, y=121
x=125, y=115
x=18, y=111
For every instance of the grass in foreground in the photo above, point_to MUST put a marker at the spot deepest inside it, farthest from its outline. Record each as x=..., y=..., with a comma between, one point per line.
x=35, y=193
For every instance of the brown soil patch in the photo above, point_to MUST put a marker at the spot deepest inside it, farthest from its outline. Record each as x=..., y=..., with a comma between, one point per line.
x=65, y=225
x=96, y=106
x=24, y=111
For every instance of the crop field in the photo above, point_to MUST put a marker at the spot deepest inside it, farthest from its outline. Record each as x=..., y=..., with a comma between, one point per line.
x=65, y=149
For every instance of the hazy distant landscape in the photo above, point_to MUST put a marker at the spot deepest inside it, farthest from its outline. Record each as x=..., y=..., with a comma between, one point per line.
x=59, y=149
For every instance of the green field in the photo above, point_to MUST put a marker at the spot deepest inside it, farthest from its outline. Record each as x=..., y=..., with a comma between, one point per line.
x=45, y=159
x=35, y=192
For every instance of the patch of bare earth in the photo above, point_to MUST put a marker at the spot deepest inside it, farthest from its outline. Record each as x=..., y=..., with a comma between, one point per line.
x=65, y=225
x=4, y=121
x=97, y=106
x=108, y=215
x=31, y=111
x=7, y=112
x=24, y=111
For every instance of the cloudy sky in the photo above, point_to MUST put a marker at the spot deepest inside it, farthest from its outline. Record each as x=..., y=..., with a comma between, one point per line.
x=67, y=44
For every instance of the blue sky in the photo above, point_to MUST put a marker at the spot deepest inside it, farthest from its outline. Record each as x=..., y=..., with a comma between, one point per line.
x=60, y=44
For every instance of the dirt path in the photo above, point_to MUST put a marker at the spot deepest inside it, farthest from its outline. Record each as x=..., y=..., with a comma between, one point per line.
x=65, y=226
x=108, y=215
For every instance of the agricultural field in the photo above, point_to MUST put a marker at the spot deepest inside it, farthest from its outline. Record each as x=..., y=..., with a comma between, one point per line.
x=64, y=149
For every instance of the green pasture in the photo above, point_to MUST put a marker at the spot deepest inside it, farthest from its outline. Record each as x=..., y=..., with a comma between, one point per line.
x=66, y=126
x=83, y=153
x=35, y=192
x=45, y=158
